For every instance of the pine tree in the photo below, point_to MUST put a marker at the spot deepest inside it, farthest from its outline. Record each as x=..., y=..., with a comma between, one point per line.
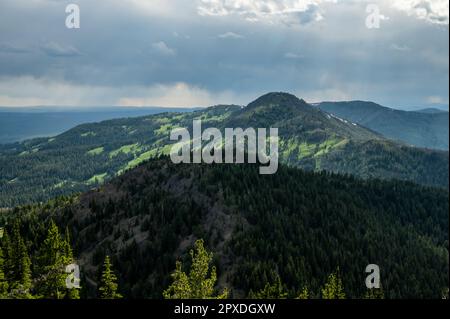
x=52, y=263
x=5, y=244
x=374, y=293
x=108, y=282
x=19, y=266
x=271, y=291
x=180, y=288
x=445, y=293
x=196, y=285
x=333, y=289
x=68, y=259
x=304, y=294
x=3, y=281
x=67, y=248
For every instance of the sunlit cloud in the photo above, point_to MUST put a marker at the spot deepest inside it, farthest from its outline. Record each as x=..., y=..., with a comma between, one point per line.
x=300, y=11
x=433, y=11
x=230, y=35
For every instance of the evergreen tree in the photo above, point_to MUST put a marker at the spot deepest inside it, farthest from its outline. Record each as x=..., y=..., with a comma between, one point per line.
x=374, y=293
x=3, y=281
x=271, y=291
x=333, y=289
x=445, y=294
x=68, y=259
x=304, y=294
x=5, y=244
x=108, y=282
x=196, y=285
x=52, y=261
x=19, y=265
x=180, y=288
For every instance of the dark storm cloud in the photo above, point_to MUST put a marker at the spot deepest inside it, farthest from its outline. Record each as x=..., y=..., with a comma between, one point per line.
x=148, y=50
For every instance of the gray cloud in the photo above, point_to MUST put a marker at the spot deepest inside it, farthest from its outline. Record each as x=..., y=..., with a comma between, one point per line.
x=54, y=49
x=138, y=52
x=162, y=48
x=230, y=35
x=433, y=11
x=11, y=48
x=399, y=47
x=291, y=55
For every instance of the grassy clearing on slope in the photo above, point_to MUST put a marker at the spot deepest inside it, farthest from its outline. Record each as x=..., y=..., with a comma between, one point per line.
x=126, y=149
x=289, y=146
x=141, y=158
x=96, y=151
x=164, y=129
x=306, y=150
x=328, y=145
x=63, y=184
x=97, y=179
x=161, y=120
x=215, y=118
x=88, y=134
x=164, y=150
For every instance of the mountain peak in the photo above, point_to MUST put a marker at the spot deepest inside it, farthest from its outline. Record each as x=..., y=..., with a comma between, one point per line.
x=277, y=98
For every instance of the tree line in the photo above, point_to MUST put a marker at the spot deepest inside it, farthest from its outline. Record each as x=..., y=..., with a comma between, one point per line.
x=46, y=277
x=17, y=281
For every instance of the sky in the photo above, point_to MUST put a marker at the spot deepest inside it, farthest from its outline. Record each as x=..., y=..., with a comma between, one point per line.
x=194, y=53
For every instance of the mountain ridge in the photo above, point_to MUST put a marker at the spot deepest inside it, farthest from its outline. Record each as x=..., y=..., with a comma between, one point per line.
x=23, y=124
x=89, y=154
x=428, y=130
x=297, y=225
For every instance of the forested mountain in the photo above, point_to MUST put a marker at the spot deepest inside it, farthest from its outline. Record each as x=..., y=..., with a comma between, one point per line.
x=425, y=128
x=18, y=124
x=291, y=229
x=39, y=169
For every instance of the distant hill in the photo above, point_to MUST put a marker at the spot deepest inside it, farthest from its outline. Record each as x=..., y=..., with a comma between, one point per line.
x=89, y=154
x=431, y=111
x=18, y=124
x=427, y=128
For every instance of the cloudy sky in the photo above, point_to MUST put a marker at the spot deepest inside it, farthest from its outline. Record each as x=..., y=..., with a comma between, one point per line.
x=206, y=52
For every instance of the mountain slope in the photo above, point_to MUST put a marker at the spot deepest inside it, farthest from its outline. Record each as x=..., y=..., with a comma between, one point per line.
x=424, y=129
x=295, y=117
x=22, y=124
x=89, y=154
x=431, y=111
x=298, y=225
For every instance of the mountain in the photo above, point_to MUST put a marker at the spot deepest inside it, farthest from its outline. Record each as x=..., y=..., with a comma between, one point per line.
x=87, y=155
x=431, y=111
x=298, y=225
x=427, y=128
x=298, y=120
x=26, y=123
